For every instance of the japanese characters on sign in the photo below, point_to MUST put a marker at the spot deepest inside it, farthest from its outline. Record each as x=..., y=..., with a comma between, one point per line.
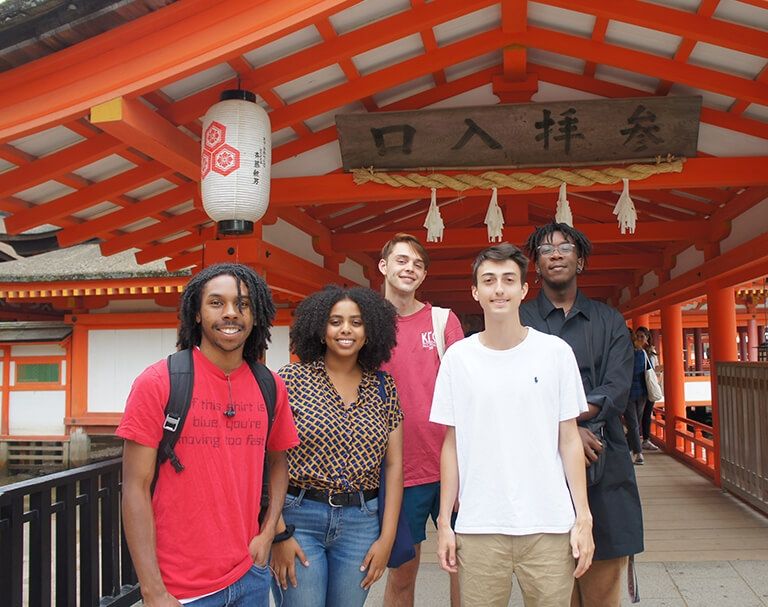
x=530, y=134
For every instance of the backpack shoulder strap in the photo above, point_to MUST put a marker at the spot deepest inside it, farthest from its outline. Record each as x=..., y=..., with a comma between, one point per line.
x=181, y=375
x=268, y=388
x=381, y=376
x=439, y=324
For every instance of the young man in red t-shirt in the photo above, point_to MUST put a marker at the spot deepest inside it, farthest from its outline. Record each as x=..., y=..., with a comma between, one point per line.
x=414, y=365
x=197, y=540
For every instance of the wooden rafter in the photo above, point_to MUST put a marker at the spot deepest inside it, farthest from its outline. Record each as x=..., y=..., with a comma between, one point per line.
x=144, y=55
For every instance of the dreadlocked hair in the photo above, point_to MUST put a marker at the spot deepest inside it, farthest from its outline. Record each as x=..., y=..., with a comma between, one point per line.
x=307, y=333
x=259, y=295
x=543, y=234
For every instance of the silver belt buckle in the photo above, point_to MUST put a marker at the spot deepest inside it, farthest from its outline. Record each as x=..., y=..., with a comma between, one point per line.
x=330, y=501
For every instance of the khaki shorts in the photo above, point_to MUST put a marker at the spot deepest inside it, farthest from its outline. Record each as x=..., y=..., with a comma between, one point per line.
x=542, y=562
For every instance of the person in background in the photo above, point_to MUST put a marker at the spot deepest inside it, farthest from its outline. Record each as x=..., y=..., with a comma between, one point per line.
x=330, y=521
x=638, y=396
x=643, y=335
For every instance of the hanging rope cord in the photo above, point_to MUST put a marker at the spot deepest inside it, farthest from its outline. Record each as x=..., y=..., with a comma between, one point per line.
x=550, y=178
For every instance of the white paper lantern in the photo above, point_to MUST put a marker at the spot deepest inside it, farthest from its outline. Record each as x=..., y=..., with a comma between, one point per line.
x=236, y=157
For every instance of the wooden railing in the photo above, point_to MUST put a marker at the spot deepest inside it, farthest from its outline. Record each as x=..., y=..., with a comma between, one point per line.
x=693, y=441
x=742, y=394
x=84, y=561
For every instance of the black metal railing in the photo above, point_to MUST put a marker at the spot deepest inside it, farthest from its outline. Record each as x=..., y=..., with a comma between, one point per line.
x=61, y=540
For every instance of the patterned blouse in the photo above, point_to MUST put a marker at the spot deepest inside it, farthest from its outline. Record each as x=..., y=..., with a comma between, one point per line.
x=341, y=448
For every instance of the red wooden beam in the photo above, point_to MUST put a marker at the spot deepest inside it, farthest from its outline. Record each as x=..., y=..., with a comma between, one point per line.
x=96, y=193
x=144, y=55
x=674, y=21
x=339, y=188
x=120, y=218
x=477, y=238
x=57, y=163
x=328, y=53
x=646, y=63
x=162, y=229
x=138, y=126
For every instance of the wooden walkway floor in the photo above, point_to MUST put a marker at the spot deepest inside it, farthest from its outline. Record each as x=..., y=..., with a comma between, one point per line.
x=703, y=547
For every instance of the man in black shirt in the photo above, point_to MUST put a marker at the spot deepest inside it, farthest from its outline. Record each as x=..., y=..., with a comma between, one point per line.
x=598, y=335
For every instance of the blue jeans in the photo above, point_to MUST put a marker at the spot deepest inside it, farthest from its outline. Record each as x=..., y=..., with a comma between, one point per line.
x=251, y=590
x=335, y=542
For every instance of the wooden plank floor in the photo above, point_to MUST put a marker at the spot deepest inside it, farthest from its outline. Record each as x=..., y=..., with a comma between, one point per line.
x=686, y=518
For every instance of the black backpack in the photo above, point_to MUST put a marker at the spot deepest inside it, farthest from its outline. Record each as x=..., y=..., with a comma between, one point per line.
x=182, y=376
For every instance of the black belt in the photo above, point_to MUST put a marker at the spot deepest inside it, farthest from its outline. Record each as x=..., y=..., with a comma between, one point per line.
x=334, y=499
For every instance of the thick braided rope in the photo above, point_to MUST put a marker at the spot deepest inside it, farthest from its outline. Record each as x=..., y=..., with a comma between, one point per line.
x=551, y=178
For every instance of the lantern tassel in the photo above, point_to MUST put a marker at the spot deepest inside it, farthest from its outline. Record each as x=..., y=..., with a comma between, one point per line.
x=494, y=218
x=625, y=210
x=434, y=221
x=563, y=213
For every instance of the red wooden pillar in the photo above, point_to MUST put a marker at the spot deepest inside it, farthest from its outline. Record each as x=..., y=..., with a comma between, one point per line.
x=721, y=315
x=698, y=349
x=642, y=320
x=754, y=340
x=674, y=376
x=742, y=348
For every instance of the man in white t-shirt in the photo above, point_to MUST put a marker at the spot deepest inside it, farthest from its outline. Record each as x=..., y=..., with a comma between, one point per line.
x=510, y=397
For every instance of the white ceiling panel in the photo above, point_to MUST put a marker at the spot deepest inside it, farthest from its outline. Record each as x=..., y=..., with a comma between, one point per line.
x=182, y=208
x=690, y=6
x=283, y=136
x=151, y=189
x=389, y=54
x=723, y=142
x=468, y=25
x=743, y=13
x=553, y=92
x=103, y=208
x=47, y=141
x=6, y=166
x=104, y=168
x=366, y=12
x=727, y=60
x=407, y=89
x=318, y=161
x=465, y=68
x=138, y=225
x=321, y=121
x=311, y=84
x=642, y=39
x=284, y=46
x=561, y=62
x=626, y=78
x=44, y=192
x=757, y=112
x=199, y=81
x=560, y=19
x=479, y=96
x=711, y=100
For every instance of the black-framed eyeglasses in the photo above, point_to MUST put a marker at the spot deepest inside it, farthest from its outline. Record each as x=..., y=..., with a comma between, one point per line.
x=549, y=249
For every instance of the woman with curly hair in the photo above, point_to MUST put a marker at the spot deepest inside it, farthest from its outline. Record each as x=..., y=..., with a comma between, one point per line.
x=348, y=418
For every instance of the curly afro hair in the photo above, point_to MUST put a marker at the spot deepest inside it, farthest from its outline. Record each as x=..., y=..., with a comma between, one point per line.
x=311, y=319
x=262, y=307
x=543, y=234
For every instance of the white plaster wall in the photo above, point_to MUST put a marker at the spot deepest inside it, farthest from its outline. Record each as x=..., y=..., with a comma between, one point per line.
x=354, y=271
x=747, y=226
x=278, y=353
x=650, y=282
x=37, y=412
x=41, y=350
x=697, y=391
x=116, y=357
x=132, y=305
x=687, y=260
x=292, y=239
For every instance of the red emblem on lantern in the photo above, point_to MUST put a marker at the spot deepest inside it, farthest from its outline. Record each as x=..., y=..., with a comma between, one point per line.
x=217, y=155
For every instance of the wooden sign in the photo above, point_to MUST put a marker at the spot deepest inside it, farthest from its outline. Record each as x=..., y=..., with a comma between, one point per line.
x=532, y=134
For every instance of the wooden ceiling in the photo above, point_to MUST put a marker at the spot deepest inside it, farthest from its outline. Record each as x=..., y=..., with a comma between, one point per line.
x=132, y=182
